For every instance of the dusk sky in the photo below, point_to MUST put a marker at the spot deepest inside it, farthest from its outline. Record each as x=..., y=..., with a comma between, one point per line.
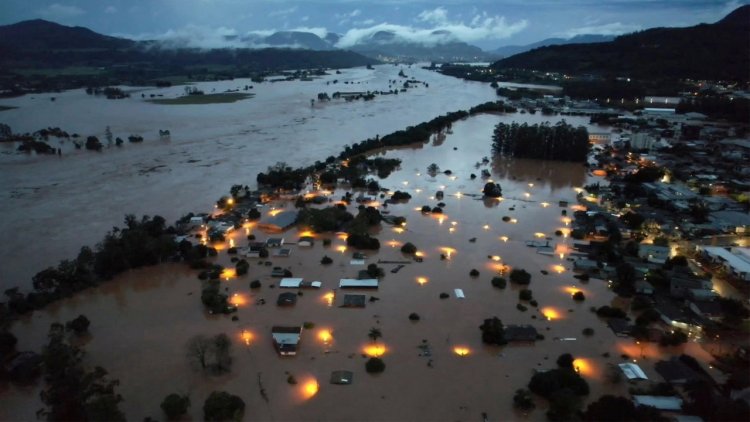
x=486, y=23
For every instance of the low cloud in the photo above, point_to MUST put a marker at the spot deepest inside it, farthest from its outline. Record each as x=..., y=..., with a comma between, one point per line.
x=57, y=11
x=440, y=29
x=614, y=28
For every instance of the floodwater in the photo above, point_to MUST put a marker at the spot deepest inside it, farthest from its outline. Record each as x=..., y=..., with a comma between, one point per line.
x=51, y=205
x=142, y=320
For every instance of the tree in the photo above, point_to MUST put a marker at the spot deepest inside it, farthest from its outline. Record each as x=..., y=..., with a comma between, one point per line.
x=409, y=248
x=498, y=282
x=525, y=294
x=222, y=406
x=79, y=325
x=374, y=366
x=175, y=405
x=222, y=347
x=563, y=405
x=547, y=383
x=7, y=342
x=199, y=350
x=493, y=331
x=565, y=361
x=522, y=400
x=492, y=190
x=520, y=276
x=374, y=334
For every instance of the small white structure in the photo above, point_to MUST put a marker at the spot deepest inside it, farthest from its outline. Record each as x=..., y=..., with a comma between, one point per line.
x=357, y=262
x=632, y=371
x=351, y=283
x=459, y=293
x=296, y=283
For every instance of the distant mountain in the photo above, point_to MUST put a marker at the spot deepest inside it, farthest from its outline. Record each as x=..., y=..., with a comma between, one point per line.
x=511, y=50
x=707, y=51
x=111, y=61
x=39, y=34
x=299, y=39
x=386, y=45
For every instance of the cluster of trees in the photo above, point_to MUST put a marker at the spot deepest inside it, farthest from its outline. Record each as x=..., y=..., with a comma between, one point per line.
x=735, y=109
x=141, y=242
x=72, y=392
x=281, y=176
x=563, y=387
x=541, y=141
x=112, y=93
x=325, y=219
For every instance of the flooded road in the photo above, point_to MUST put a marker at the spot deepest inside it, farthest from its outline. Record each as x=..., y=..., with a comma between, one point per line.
x=142, y=320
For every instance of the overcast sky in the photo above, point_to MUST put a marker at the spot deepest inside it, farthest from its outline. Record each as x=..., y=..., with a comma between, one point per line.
x=486, y=23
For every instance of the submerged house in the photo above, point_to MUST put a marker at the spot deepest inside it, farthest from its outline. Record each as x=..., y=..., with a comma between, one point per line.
x=279, y=222
x=286, y=339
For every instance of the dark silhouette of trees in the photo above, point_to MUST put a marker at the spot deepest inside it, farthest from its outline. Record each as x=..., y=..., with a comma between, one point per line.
x=222, y=406
x=541, y=141
x=175, y=405
x=493, y=331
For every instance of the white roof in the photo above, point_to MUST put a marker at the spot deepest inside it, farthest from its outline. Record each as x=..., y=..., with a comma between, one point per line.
x=286, y=338
x=633, y=371
x=290, y=282
x=350, y=282
x=459, y=293
x=737, y=261
x=357, y=262
x=659, y=402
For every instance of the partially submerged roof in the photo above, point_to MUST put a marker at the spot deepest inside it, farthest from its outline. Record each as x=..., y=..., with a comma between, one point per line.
x=285, y=336
x=459, y=293
x=287, y=299
x=632, y=371
x=354, y=301
x=296, y=283
x=520, y=333
x=350, y=283
x=342, y=377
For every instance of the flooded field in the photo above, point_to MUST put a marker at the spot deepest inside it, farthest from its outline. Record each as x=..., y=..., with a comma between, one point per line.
x=52, y=205
x=142, y=320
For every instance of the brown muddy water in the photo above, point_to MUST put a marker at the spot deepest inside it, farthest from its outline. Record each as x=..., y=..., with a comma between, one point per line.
x=142, y=320
x=53, y=205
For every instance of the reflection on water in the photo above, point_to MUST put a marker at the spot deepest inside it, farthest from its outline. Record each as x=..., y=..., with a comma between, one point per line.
x=555, y=174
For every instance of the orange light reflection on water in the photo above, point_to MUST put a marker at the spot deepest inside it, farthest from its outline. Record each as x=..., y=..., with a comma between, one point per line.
x=374, y=350
x=461, y=351
x=551, y=313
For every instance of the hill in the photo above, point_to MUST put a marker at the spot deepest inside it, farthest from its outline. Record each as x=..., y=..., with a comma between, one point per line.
x=717, y=51
x=511, y=50
x=39, y=34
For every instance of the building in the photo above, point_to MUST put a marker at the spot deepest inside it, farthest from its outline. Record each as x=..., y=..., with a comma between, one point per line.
x=676, y=372
x=632, y=371
x=306, y=241
x=287, y=299
x=653, y=253
x=350, y=283
x=736, y=261
x=286, y=339
x=280, y=222
x=642, y=140
x=600, y=138
x=520, y=333
x=731, y=221
x=683, y=286
x=298, y=283
x=354, y=301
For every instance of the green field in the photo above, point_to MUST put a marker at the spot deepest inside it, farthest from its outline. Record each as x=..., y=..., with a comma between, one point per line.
x=224, y=98
x=3, y=108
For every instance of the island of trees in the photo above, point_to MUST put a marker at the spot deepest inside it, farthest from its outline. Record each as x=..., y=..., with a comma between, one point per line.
x=561, y=142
